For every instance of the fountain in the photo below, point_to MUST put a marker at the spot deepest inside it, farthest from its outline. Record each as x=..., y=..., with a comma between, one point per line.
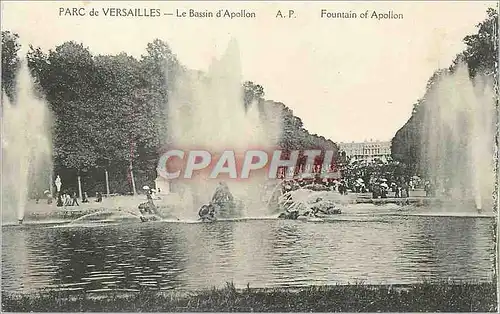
x=458, y=139
x=206, y=111
x=26, y=145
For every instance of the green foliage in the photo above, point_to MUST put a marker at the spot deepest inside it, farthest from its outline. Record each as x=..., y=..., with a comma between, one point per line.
x=111, y=110
x=480, y=55
x=294, y=136
x=252, y=93
x=10, y=61
x=67, y=76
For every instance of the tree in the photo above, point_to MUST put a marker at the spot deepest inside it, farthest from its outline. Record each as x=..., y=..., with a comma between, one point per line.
x=67, y=77
x=108, y=110
x=160, y=68
x=111, y=110
x=10, y=61
x=116, y=105
x=480, y=55
x=252, y=92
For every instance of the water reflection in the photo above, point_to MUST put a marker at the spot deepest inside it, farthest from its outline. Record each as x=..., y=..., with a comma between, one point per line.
x=260, y=253
x=99, y=258
x=448, y=247
x=210, y=248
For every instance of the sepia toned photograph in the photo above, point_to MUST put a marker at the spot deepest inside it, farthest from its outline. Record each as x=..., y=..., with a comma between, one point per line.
x=215, y=156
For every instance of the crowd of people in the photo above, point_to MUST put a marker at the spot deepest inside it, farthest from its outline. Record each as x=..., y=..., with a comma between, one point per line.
x=379, y=187
x=66, y=198
x=380, y=179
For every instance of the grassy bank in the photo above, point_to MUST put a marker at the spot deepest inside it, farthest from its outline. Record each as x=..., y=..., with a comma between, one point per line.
x=425, y=297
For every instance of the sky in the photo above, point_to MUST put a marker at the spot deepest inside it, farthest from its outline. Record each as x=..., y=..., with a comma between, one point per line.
x=347, y=79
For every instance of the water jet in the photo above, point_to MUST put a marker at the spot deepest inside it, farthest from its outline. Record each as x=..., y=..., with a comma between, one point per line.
x=26, y=145
x=458, y=133
x=207, y=110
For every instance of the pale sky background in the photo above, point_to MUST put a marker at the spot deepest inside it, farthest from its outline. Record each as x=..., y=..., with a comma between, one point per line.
x=349, y=80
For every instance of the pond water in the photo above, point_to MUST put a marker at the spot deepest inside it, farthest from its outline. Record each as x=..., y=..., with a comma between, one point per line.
x=374, y=249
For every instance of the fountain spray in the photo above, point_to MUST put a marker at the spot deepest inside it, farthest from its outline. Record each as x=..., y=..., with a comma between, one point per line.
x=206, y=110
x=26, y=144
x=458, y=129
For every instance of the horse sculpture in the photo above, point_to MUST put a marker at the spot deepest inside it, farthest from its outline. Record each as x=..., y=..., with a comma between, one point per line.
x=306, y=203
x=221, y=205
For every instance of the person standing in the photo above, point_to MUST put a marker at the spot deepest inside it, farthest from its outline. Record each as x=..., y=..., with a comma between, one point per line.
x=98, y=197
x=67, y=199
x=60, y=201
x=404, y=190
x=429, y=189
x=85, y=197
x=397, y=191
x=75, y=200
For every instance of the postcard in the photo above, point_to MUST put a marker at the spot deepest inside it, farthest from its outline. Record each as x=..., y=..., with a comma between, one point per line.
x=214, y=156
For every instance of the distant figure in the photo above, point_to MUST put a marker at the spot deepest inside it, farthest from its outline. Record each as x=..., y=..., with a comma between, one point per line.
x=85, y=198
x=357, y=187
x=49, y=198
x=397, y=191
x=428, y=189
x=66, y=199
x=149, y=195
x=343, y=188
x=98, y=197
x=376, y=190
x=404, y=191
x=75, y=200
x=383, y=191
x=60, y=202
x=394, y=187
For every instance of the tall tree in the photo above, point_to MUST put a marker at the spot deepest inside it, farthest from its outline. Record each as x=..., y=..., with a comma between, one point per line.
x=480, y=55
x=111, y=110
x=10, y=61
x=252, y=93
x=66, y=75
x=160, y=67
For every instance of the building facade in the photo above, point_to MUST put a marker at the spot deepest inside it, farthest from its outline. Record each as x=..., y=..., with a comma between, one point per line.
x=367, y=151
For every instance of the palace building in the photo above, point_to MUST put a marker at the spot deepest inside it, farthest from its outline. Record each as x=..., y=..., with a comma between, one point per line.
x=368, y=151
